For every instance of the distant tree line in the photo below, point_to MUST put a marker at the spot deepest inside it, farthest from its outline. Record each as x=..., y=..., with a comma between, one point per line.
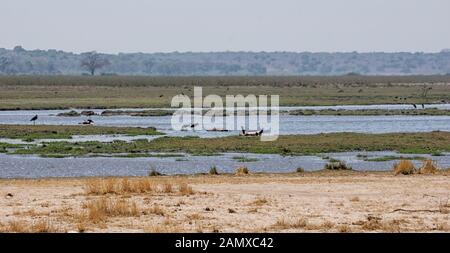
x=19, y=61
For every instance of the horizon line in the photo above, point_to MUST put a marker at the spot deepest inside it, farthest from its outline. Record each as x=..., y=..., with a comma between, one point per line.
x=444, y=50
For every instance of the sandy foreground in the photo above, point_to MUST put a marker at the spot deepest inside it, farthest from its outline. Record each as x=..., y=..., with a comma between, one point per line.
x=303, y=202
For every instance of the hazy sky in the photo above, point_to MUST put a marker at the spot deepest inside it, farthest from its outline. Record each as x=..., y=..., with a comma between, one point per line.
x=211, y=25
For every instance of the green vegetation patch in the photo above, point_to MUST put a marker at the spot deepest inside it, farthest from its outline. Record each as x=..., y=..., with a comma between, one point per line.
x=372, y=112
x=410, y=143
x=393, y=158
x=31, y=132
x=244, y=159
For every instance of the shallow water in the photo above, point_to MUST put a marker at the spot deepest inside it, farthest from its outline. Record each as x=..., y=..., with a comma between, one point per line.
x=85, y=138
x=14, y=166
x=288, y=124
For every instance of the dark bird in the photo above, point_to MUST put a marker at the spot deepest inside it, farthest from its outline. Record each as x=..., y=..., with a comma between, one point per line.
x=415, y=106
x=87, y=122
x=423, y=106
x=190, y=125
x=161, y=95
x=34, y=119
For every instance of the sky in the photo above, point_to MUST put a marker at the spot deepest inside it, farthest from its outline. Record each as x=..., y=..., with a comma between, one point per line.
x=114, y=26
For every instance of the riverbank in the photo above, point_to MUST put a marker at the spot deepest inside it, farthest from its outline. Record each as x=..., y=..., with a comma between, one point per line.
x=326, y=201
x=413, y=111
x=65, y=92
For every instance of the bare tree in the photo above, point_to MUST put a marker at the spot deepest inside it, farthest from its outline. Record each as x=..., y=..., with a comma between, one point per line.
x=93, y=61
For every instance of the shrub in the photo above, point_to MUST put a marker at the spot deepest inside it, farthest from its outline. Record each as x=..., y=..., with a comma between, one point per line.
x=337, y=166
x=404, y=167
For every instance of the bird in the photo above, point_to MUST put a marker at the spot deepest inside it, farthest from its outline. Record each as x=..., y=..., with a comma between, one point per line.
x=423, y=106
x=415, y=106
x=34, y=119
x=190, y=125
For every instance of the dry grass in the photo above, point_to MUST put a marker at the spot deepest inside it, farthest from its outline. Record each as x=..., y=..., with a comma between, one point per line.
x=444, y=206
x=21, y=226
x=344, y=228
x=242, y=171
x=185, y=189
x=404, y=167
x=118, y=186
x=283, y=223
x=44, y=226
x=100, y=209
x=167, y=188
x=429, y=167
x=133, y=186
x=16, y=226
x=156, y=210
x=372, y=224
x=355, y=199
x=376, y=224
x=327, y=225
x=260, y=201
x=194, y=216
x=443, y=227
x=392, y=226
x=163, y=228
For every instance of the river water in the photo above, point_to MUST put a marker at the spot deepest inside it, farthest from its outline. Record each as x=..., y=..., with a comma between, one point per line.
x=13, y=166
x=288, y=124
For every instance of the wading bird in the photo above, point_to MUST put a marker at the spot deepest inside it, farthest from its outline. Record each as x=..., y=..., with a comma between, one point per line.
x=34, y=119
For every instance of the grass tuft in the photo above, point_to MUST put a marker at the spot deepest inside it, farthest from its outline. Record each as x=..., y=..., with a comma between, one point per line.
x=404, y=167
x=242, y=171
x=429, y=167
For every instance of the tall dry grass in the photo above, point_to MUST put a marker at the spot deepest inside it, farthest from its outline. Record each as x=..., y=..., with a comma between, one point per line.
x=185, y=189
x=134, y=186
x=404, y=167
x=118, y=186
x=21, y=226
x=429, y=167
x=100, y=209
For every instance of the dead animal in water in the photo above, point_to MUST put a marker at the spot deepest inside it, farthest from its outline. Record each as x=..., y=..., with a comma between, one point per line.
x=251, y=133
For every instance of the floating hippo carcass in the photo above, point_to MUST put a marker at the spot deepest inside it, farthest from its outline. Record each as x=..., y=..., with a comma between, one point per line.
x=251, y=133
